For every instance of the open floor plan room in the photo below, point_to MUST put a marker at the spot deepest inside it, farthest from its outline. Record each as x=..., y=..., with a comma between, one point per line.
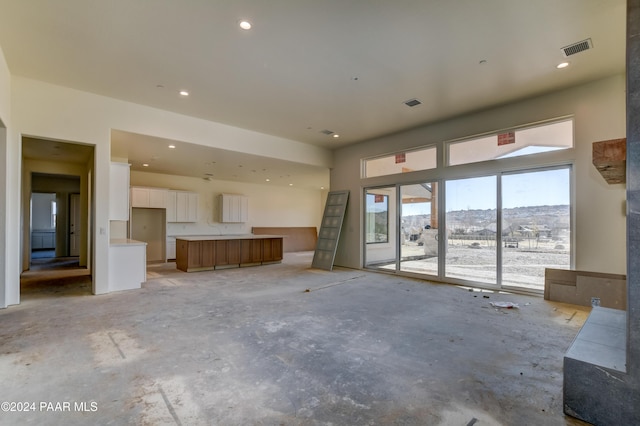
x=285, y=344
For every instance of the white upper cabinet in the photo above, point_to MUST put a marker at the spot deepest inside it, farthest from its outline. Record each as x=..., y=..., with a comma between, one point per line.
x=158, y=198
x=234, y=208
x=119, y=191
x=148, y=197
x=182, y=206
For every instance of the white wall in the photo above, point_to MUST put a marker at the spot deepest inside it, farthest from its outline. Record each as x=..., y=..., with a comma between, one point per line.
x=268, y=205
x=5, y=123
x=53, y=112
x=5, y=90
x=599, y=113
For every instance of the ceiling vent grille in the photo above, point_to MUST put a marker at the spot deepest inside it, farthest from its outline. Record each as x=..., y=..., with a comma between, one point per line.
x=327, y=132
x=412, y=102
x=578, y=47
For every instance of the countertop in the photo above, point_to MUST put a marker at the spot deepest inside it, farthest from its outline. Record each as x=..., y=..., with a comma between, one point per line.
x=125, y=242
x=225, y=237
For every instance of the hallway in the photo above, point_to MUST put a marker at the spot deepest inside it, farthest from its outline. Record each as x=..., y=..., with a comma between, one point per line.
x=51, y=276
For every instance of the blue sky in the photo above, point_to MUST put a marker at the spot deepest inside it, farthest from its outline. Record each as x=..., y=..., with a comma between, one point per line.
x=549, y=187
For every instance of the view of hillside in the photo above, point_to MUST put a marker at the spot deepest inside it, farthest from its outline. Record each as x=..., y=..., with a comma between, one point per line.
x=521, y=222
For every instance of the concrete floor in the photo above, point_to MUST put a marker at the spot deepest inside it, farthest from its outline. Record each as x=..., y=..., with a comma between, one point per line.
x=283, y=344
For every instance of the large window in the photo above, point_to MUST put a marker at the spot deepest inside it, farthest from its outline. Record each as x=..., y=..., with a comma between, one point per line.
x=419, y=243
x=525, y=141
x=471, y=229
x=536, y=231
x=380, y=221
x=401, y=162
x=377, y=218
x=491, y=224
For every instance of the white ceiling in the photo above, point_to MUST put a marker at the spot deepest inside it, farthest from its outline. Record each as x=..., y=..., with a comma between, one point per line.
x=307, y=66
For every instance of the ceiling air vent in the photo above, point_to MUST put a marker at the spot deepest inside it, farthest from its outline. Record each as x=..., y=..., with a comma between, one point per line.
x=578, y=47
x=326, y=132
x=412, y=102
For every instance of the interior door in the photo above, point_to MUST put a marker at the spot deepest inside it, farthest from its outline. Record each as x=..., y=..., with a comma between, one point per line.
x=74, y=225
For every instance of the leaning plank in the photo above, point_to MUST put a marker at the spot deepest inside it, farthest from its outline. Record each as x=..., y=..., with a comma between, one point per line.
x=330, y=230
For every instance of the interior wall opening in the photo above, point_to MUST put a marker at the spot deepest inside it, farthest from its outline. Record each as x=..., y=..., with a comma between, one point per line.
x=56, y=212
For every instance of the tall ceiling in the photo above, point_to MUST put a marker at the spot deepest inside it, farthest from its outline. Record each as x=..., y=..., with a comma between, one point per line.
x=306, y=66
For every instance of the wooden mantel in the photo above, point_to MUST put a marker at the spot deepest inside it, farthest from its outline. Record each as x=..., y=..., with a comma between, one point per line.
x=610, y=157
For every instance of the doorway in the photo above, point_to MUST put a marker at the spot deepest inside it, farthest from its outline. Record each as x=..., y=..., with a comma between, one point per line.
x=56, y=216
x=43, y=225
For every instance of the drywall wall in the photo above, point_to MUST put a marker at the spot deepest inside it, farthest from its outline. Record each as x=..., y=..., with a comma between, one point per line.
x=5, y=122
x=268, y=205
x=5, y=91
x=598, y=109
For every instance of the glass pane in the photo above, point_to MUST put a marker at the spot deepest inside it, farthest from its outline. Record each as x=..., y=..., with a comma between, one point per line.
x=419, y=233
x=536, y=227
x=403, y=162
x=380, y=228
x=532, y=140
x=471, y=229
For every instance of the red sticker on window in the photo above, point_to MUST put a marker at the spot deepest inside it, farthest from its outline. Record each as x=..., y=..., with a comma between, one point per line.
x=506, y=138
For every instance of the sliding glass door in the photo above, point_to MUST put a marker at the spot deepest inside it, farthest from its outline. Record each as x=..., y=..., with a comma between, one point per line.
x=500, y=231
x=380, y=231
x=536, y=231
x=471, y=222
x=419, y=228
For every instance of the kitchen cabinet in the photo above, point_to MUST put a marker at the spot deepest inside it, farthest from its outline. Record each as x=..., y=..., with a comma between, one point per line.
x=43, y=240
x=171, y=248
x=127, y=264
x=119, y=191
x=182, y=206
x=234, y=208
x=272, y=250
x=227, y=254
x=199, y=253
x=250, y=252
x=195, y=255
x=148, y=197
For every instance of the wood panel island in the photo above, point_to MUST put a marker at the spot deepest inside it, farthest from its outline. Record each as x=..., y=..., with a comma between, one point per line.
x=207, y=252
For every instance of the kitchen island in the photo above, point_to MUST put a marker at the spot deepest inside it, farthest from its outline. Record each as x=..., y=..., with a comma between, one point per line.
x=207, y=252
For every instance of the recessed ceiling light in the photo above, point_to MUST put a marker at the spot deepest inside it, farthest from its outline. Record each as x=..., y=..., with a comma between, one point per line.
x=562, y=65
x=184, y=93
x=245, y=25
x=172, y=146
x=290, y=184
x=267, y=180
x=145, y=165
x=336, y=136
x=322, y=187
